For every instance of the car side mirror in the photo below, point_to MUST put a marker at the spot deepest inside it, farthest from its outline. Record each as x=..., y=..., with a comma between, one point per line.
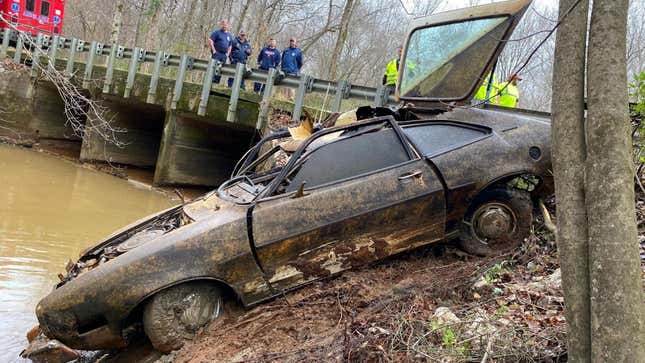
x=301, y=191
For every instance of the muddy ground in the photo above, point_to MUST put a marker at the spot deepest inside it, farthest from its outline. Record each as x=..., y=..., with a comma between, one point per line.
x=418, y=306
x=433, y=304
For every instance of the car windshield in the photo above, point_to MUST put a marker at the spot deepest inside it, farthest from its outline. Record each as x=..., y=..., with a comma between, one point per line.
x=445, y=61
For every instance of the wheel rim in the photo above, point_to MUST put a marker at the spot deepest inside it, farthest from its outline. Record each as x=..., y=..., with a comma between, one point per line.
x=493, y=222
x=194, y=311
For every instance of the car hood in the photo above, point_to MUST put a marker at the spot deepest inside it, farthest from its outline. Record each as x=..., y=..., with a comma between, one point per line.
x=447, y=55
x=152, y=229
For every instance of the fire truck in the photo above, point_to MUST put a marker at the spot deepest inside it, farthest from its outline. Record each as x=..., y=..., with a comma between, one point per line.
x=34, y=16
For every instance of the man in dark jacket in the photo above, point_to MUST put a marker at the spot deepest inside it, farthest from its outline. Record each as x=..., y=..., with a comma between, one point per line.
x=292, y=58
x=240, y=50
x=220, y=42
x=269, y=57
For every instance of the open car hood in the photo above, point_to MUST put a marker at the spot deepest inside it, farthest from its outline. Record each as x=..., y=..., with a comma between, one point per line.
x=448, y=55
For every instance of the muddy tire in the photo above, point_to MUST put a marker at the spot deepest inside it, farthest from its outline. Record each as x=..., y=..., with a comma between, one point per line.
x=497, y=222
x=173, y=316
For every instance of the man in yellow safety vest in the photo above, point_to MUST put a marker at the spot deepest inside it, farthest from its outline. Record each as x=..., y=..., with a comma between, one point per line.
x=391, y=74
x=509, y=95
x=492, y=95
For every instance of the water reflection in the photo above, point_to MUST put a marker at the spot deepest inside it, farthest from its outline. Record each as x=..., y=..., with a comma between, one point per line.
x=49, y=211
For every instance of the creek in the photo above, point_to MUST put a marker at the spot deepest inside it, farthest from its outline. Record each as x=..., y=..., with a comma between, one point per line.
x=50, y=210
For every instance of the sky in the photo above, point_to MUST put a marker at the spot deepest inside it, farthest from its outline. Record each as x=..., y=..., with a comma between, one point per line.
x=455, y=4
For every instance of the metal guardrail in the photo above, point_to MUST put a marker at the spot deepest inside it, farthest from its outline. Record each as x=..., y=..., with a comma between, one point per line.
x=52, y=46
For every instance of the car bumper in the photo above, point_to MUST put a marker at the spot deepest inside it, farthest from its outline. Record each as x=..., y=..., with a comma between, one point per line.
x=63, y=326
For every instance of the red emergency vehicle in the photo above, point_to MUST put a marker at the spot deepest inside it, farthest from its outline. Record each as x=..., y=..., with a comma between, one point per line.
x=35, y=16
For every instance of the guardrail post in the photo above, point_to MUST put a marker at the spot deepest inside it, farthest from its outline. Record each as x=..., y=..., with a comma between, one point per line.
x=342, y=90
x=154, y=79
x=6, y=34
x=70, y=58
x=18, y=55
x=303, y=88
x=179, y=83
x=87, y=78
x=380, y=99
x=266, y=99
x=206, y=87
x=132, y=72
x=235, y=92
x=109, y=71
x=53, y=49
x=35, y=55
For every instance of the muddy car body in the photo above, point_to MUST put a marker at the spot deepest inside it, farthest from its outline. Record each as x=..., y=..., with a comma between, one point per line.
x=349, y=195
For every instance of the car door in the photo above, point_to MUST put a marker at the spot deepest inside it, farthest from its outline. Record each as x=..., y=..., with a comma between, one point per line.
x=367, y=198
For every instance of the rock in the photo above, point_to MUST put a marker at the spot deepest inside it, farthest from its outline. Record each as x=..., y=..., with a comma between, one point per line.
x=444, y=316
x=551, y=282
x=480, y=284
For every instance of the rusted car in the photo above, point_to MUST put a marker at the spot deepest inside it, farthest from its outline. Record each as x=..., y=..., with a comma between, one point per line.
x=432, y=170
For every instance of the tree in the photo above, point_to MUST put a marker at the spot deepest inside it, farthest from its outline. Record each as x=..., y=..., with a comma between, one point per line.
x=568, y=166
x=597, y=235
x=617, y=310
x=343, y=30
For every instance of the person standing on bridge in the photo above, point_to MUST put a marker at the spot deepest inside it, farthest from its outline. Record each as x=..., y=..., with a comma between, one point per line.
x=220, y=43
x=240, y=51
x=292, y=58
x=391, y=75
x=269, y=57
x=291, y=62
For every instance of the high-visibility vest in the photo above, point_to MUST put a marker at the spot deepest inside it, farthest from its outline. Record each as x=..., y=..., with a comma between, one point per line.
x=392, y=72
x=509, y=96
x=494, y=89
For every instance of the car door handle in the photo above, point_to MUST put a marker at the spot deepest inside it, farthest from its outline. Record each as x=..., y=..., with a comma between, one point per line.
x=410, y=175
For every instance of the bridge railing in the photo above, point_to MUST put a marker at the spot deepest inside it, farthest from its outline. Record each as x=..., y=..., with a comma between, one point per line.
x=51, y=47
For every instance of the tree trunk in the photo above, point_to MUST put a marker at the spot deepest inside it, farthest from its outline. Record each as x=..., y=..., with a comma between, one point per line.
x=617, y=309
x=186, y=38
x=243, y=13
x=137, y=30
x=348, y=12
x=116, y=23
x=569, y=152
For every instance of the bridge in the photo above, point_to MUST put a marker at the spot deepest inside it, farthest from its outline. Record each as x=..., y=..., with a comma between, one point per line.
x=191, y=132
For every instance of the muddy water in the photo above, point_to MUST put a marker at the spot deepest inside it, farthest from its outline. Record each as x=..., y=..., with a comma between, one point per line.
x=50, y=210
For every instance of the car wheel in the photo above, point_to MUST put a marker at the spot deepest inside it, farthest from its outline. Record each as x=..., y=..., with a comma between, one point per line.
x=499, y=221
x=173, y=316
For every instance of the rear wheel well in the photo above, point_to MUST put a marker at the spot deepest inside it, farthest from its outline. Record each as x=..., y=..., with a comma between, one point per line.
x=528, y=182
x=132, y=325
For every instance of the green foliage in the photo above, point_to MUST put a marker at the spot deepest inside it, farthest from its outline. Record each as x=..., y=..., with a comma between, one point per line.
x=449, y=340
x=494, y=272
x=637, y=93
x=637, y=113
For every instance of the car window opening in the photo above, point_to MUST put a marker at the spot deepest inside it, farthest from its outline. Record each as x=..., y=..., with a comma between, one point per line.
x=356, y=150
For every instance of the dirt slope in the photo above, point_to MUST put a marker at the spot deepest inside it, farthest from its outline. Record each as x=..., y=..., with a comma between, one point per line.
x=434, y=303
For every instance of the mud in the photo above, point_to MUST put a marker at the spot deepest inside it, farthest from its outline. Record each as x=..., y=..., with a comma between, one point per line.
x=341, y=318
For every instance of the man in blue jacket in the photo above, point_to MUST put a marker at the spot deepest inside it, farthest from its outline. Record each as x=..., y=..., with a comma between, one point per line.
x=292, y=59
x=220, y=42
x=240, y=51
x=269, y=57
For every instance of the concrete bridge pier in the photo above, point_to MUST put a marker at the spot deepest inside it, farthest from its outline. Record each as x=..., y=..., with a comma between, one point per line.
x=141, y=125
x=33, y=108
x=198, y=150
